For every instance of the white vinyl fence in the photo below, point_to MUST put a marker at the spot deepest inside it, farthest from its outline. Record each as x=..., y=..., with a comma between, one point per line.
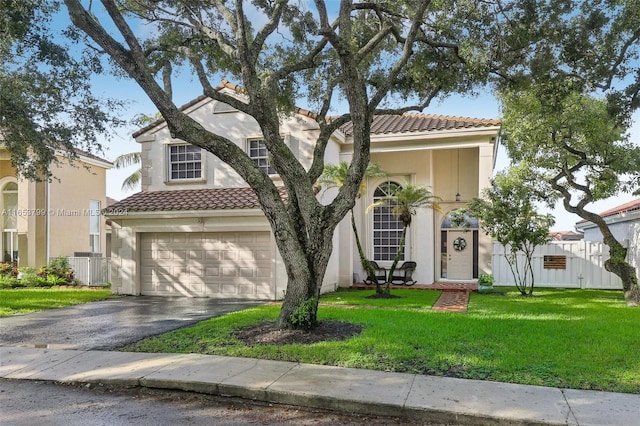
x=91, y=270
x=567, y=264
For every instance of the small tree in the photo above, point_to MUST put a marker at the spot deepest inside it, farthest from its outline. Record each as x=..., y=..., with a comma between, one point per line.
x=507, y=213
x=334, y=176
x=404, y=202
x=577, y=150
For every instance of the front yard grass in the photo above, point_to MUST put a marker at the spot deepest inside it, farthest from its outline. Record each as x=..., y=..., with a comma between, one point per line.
x=24, y=301
x=581, y=339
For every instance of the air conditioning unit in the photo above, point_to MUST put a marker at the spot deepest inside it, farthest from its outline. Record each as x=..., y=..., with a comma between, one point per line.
x=86, y=254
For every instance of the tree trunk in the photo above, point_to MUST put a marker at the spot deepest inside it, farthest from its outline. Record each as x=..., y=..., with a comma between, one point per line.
x=618, y=265
x=368, y=267
x=396, y=259
x=305, y=275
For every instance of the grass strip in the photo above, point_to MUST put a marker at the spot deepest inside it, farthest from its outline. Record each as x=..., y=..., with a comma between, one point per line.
x=581, y=339
x=24, y=301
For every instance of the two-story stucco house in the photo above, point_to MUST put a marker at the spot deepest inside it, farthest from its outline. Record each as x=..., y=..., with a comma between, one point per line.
x=60, y=217
x=196, y=227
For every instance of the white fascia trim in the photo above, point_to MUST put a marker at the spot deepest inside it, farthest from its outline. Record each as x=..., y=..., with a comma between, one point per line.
x=436, y=134
x=173, y=214
x=88, y=160
x=94, y=162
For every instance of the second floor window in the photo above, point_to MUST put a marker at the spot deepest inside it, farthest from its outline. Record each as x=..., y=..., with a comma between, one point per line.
x=259, y=154
x=185, y=162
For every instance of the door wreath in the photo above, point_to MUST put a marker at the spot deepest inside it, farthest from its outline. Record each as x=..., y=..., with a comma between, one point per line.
x=459, y=244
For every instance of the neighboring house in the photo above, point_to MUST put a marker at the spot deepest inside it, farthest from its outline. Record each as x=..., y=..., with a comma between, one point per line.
x=41, y=220
x=565, y=236
x=196, y=227
x=624, y=223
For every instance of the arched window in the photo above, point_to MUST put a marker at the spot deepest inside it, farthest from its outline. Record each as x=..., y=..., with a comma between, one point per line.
x=387, y=230
x=10, y=222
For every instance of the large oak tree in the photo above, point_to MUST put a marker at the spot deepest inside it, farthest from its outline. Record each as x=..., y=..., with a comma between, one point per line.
x=371, y=55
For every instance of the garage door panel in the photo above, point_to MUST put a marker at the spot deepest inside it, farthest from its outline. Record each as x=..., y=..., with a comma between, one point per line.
x=245, y=255
x=236, y=264
x=229, y=255
x=247, y=272
x=264, y=272
x=195, y=254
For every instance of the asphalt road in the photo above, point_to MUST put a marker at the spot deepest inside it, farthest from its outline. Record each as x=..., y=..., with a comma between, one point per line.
x=30, y=403
x=110, y=324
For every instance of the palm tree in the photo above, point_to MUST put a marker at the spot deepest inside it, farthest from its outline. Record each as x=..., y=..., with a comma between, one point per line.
x=126, y=160
x=403, y=203
x=334, y=176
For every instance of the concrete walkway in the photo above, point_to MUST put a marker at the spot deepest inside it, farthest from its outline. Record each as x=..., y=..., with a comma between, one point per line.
x=429, y=398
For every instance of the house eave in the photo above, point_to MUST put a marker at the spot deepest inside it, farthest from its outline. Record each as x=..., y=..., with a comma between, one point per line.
x=172, y=214
x=413, y=141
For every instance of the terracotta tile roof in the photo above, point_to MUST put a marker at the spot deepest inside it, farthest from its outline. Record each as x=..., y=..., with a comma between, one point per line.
x=190, y=199
x=391, y=123
x=384, y=123
x=631, y=206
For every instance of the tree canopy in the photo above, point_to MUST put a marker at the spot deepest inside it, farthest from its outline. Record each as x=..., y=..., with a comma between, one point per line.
x=576, y=150
x=46, y=101
x=373, y=57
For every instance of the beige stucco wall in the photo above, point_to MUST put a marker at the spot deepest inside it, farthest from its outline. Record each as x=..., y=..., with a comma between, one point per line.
x=299, y=133
x=69, y=202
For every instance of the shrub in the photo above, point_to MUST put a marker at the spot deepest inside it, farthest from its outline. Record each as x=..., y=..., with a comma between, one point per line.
x=28, y=277
x=53, y=280
x=7, y=270
x=58, y=267
x=486, y=279
x=7, y=281
x=303, y=316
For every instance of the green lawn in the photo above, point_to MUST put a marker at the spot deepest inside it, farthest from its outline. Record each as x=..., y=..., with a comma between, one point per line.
x=24, y=301
x=582, y=339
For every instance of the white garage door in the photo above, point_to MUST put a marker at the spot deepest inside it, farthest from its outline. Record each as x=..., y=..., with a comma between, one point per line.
x=219, y=265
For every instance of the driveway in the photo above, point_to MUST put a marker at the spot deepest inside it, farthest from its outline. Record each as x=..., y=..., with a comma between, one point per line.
x=110, y=324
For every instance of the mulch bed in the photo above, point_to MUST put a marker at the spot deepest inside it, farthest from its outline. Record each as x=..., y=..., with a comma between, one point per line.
x=266, y=333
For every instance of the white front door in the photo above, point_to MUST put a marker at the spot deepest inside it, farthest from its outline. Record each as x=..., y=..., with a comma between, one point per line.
x=459, y=255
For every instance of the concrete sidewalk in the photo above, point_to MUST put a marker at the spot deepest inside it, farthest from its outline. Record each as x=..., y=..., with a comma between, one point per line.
x=433, y=399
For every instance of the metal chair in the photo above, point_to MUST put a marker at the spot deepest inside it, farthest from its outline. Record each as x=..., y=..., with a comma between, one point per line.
x=380, y=275
x=404, y=272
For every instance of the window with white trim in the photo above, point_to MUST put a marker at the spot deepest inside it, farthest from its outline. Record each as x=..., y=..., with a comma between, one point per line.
x=387, y=230
x=260, y=155
x=185, y=162
x=94, y=226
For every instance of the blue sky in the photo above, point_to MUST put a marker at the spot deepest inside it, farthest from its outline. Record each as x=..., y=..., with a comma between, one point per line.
x=185, y=89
